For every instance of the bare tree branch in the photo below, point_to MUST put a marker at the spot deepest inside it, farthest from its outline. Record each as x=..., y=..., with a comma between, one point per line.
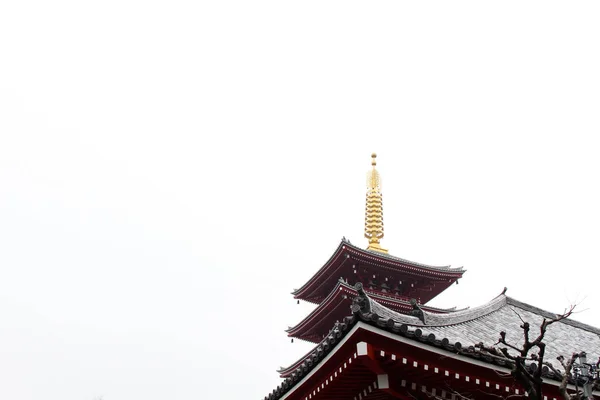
x=528, y=377
x=568, y=366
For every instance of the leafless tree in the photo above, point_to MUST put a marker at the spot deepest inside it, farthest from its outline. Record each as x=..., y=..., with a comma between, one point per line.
x=533, y=350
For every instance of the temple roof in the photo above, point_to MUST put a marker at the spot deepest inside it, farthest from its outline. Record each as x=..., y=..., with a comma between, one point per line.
x=458, y=332
x=321, y=283
x=337, y=305
x=483, y=324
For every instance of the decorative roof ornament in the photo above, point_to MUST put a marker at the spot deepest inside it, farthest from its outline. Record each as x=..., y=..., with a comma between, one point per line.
x=374, y=209
x=417, y=311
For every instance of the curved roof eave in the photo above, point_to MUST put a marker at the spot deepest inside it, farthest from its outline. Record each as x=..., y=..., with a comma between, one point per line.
x=329, y=299
x=335, y=333
x=335, y=292
x=446, y=270
x=335, y=254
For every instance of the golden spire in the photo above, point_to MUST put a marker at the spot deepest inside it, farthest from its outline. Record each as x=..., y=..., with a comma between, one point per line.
x=374, y=209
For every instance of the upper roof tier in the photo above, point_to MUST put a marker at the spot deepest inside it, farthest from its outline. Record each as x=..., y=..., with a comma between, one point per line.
x=380, y=272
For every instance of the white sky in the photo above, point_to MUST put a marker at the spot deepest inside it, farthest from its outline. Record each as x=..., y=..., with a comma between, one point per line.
x=170, y=171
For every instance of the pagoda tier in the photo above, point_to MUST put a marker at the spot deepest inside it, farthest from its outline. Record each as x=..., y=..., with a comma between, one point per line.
x=336, y=306
x=376, y=352
x=379, y=272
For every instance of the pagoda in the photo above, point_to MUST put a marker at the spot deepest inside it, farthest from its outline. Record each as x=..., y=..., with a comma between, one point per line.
x=393, y=281
x=376, y=338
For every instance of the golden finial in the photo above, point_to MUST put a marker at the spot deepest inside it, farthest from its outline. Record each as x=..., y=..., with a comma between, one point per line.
x=374, y=209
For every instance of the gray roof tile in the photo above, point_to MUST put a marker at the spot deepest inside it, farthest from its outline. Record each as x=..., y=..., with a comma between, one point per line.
x=483, y=325
x=456, y=332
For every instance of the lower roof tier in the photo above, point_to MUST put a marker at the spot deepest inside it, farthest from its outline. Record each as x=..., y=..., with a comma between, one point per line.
x=436, y=337
x=368, y=361
x=380, y=271
x=336, y=306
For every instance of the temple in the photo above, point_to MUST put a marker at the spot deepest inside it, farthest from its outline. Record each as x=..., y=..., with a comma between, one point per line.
x=375, y=336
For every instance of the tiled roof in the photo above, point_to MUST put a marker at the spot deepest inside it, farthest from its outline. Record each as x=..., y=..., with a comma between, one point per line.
x=483, y=325
x=344, y=293
x=312, y=358
x=456, y=332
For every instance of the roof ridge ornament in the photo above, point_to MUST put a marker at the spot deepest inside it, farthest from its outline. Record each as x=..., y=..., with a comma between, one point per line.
x=361, y=303
x=374, y=209
x=417, y=311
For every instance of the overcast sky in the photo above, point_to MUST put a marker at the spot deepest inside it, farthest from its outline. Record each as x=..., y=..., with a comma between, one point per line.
x=171, y=171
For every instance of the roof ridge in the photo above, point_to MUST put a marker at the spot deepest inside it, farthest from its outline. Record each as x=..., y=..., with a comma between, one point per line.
x=548, y=314
x=366, y=305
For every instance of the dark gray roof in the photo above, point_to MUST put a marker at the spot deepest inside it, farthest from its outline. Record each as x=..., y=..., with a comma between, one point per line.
x=483, y=325
x=456, y=332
